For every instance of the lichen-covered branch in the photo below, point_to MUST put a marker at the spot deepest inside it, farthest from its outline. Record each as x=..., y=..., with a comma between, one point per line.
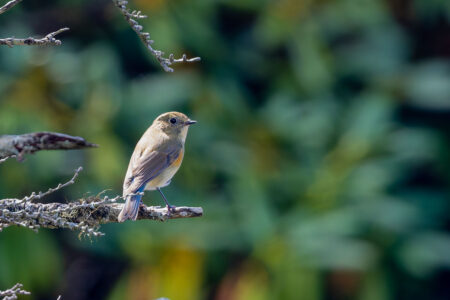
x=9, y=5
x=130, y=17
x=85, y=215
x=19, y=145
x=48, y=40
x=11, y=294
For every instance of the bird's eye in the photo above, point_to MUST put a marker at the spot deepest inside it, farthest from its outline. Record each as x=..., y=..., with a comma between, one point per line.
x=173, y=120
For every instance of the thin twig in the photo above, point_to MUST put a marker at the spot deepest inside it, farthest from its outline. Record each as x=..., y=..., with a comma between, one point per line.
x=2, y=160
x=11, y=294
x=130, y=17
x=9, y=5
x=49, y=39
x=41, y=195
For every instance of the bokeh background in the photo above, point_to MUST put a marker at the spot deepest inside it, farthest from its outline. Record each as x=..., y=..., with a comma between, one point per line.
x=320, y=157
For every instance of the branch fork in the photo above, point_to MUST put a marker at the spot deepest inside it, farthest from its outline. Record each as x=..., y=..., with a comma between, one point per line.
x=11, y=294
x=48, y=40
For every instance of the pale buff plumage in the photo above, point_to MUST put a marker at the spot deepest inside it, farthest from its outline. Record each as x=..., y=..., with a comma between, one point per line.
x=155, y=160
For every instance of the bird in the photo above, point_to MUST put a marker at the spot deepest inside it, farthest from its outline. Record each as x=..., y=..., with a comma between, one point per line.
x=155, y=160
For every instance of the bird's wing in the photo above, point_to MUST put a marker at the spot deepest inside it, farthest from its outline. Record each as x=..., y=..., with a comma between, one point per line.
x=147, y=165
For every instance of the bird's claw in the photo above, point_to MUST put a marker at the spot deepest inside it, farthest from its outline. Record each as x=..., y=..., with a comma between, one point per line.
x=170, y=208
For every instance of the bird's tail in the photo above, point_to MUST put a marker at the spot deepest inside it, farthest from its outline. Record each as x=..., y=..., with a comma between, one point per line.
x=130, y=209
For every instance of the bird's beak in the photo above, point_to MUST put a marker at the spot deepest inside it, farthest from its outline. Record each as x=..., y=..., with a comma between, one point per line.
x=190, y=122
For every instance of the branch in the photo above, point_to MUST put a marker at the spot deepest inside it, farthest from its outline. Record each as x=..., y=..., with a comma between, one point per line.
x=85, y=215
x=20, y=145
x=12, y=293
x=49, y=39
x=9, y=5
x=145, y=37
x=6, y=158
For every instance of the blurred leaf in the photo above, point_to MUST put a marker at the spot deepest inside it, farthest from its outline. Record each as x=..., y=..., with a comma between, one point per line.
x=426, y=252
x=428, y=85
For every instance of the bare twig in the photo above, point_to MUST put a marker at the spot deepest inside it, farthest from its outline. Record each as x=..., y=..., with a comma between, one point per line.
x=130, y=17
x=6, y=158
x=49, y=39
x=41, y=195
x=85, y=215
x=20, y=145
x=9, y=5
x=12, y=293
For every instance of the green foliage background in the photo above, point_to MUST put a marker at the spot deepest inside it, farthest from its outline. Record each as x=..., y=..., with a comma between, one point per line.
x=320, y=157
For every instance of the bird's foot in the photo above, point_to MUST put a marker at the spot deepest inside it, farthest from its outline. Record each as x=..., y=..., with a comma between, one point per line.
x=170, y=208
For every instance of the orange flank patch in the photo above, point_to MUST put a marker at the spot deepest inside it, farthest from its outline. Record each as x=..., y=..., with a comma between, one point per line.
x=179, y=159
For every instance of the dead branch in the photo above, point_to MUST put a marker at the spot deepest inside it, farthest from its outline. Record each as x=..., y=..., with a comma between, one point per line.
x=48, y=40
x=9, y=5
x=19, y=145
x=130, y=17
x=6, y=158
x=11, y=294
x=85, y=215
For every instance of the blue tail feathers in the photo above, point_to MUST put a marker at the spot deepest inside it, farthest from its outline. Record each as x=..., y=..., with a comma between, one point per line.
x=131, y=208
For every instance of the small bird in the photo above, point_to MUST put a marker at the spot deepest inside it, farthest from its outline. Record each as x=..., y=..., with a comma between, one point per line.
x=156, y=158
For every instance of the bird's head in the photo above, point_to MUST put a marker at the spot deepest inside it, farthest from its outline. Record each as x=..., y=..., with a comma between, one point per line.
x=174, y=124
